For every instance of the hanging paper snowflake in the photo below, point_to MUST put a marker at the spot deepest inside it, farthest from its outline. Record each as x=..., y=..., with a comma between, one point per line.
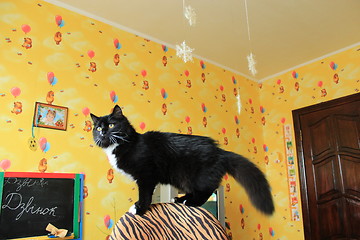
x=251, y=64
x=190, y=15
x=238, y=101
x=185, y=52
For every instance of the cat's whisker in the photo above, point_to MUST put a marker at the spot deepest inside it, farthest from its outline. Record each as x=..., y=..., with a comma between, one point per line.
x=120, y=137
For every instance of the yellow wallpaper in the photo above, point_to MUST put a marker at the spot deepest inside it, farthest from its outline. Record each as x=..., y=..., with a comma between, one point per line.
x=332, y=77
x=90, y=66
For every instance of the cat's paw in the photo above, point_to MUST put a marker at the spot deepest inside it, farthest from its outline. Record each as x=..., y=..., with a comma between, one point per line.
x=132, y=209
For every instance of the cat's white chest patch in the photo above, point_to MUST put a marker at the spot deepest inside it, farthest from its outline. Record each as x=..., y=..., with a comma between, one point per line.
x=113, y=161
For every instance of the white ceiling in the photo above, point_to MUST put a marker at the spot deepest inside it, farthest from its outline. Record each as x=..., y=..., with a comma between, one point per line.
x=283, y=33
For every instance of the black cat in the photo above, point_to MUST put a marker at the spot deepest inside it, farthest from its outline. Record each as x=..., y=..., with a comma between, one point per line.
x=193, y=164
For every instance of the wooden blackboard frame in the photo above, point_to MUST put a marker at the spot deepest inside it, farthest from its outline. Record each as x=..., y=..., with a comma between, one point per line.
x=77, y=196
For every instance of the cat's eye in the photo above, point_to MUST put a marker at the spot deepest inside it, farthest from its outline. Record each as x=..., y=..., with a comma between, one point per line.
x=111, y=125
x=99, y=129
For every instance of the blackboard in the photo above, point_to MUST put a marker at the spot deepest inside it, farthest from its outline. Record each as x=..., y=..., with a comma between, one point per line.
x=30, y=201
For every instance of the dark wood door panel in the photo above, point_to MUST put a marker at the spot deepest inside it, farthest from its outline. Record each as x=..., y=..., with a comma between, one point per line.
x=328, y=149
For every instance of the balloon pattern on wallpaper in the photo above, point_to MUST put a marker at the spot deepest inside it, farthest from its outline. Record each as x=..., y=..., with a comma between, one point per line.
x=89, y=66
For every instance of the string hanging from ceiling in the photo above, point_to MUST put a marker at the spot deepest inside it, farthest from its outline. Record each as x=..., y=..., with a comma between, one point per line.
x=251, y=56
x=183, y=51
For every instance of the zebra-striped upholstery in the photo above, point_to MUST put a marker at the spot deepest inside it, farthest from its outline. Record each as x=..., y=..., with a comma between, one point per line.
x=169, y=221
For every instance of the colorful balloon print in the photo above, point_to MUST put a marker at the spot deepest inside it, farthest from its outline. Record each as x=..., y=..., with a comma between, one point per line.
x=320, y=84
x=143, y=73
x=51, y=78
x=271, y=232
x=108, y=222
x=223, y=130
x=15, y=91
x=262, y=109
x=266, y=148
x=221, y=88
x=236, y=119
x=295, y=74
x=187, y=119
x=5, y=164
x=283, y=120
x=86, y=111
x=164, y=48
x=233, y=79
x=59, y=21
x=163, y=93
x=186, y=72
x=203, y=107
x=26, y=28
x=117, y=44
x=113, y=97
x=91, y=54
x=44, y=144
x=333, y=65
x=202, y=64
x=142, y=126
x=278, y=82
x=242, y=210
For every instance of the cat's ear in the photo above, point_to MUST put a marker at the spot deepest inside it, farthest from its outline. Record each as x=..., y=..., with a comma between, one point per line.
x=94, y=118
x=117, y=111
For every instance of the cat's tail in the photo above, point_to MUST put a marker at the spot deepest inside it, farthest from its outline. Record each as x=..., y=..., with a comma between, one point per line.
x=252, y=179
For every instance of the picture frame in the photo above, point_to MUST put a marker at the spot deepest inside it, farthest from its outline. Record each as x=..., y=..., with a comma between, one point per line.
x=50, y=116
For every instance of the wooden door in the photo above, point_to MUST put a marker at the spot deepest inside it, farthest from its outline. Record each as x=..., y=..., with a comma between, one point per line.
x=328, y=149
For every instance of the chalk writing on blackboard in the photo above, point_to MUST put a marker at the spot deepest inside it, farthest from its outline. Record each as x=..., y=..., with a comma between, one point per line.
x=14, y=202
x=30, y=201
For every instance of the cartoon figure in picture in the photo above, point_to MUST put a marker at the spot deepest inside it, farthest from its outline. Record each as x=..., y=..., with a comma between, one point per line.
x=49, y=118
x=227, y=187
x=237, y=132
x=242, y=223
x=92, y=67
x=297, y=86
x=203, y=77
x=42, y=165
x=226, y=141
x=263, y=121
x=164, y=108
x=282, y=89
x=110, y=175
x=336, y=78
x=58, y=38
x=235, y=92
x=164, y=61
x=27, y=43
x=260, y=236
x=323, y=92
x=88, y=126
x=188, y=83
x=146, y=85
x=189, y=132
x=252, y=110
x=86, y=191
x=50, y=97
x=204, y=121
x=266, y=160
x=17, y=108
x=116, y=59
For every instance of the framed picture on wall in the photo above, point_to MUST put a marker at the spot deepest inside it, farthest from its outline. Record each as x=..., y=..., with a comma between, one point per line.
x=50, y=116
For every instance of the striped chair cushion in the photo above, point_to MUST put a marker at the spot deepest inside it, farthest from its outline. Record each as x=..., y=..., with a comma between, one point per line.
x=169, y=221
